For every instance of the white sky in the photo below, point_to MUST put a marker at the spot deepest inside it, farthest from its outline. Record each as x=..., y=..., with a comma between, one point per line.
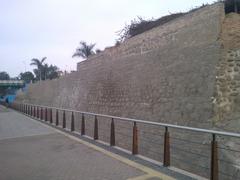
x=53, y=28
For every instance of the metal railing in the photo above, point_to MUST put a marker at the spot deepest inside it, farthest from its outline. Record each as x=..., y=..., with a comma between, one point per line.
x=211, y=162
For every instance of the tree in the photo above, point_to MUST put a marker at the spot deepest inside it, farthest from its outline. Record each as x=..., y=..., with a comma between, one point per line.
x=4, y=76
x=40, y=67
x=27, y=77
x=98, y=51
x=84, y=50
x=51, y=72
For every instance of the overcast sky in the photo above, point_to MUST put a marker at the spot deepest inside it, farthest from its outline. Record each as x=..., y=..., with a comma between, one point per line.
x=53, y=28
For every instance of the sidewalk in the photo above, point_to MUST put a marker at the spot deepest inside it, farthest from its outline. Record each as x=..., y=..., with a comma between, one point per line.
x=31, y=150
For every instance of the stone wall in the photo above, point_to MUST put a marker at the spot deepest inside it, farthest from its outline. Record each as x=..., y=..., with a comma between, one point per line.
x=173, y=82
x=227, y=100
x=167, y=74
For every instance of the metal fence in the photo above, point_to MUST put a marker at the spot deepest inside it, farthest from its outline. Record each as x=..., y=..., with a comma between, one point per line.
x=207, y=153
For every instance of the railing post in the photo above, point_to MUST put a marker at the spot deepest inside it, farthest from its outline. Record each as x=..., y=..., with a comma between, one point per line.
x=41, y=113
x=214, y=158
x=57, y=122
x=135, y=139
x=112, y=133
x=34, y=111
x=166, y=155
x=64, y=120
x=31, y=111
x=50, y=112
x=46, y=114
x=37, y=114
x=72, y=123
x=83, y=125
x=95, y=137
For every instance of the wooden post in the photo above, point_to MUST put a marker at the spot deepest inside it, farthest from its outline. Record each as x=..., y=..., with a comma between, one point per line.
x=64, y=120
x=112, y=133
x=95, y=137
x=34, y=111
x=50, y=112
x=135, y=139
x=83, y=125
x=46, y=114
x=214, y=159
x=166, y=155
x=72, y=123
x=41, y=113
x=37, y=112
x=57, y=122
x=31, y=111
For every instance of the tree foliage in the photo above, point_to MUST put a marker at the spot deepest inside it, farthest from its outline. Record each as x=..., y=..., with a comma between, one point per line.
x=85, y=50
x=39, y=67
x=44, y=71
x=27, y=76
x=51, y=71
x=4, y=76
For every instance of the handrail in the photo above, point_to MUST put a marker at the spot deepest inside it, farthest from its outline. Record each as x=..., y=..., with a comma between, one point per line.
x=223, y=133
x=45, y=113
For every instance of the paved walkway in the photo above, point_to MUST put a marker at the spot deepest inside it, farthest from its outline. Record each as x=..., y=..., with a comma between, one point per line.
x=31, y=150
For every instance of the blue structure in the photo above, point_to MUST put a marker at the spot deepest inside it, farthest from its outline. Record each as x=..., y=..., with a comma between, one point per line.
x=12, y=87
x=10, y=97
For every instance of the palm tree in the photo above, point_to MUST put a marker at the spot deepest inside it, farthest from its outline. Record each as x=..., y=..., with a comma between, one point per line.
x=40, y=66
x=84, y=50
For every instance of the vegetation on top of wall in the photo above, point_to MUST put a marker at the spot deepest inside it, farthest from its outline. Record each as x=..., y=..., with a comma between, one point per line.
x=85, y=50
x=232, y=6
x=140, y=25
